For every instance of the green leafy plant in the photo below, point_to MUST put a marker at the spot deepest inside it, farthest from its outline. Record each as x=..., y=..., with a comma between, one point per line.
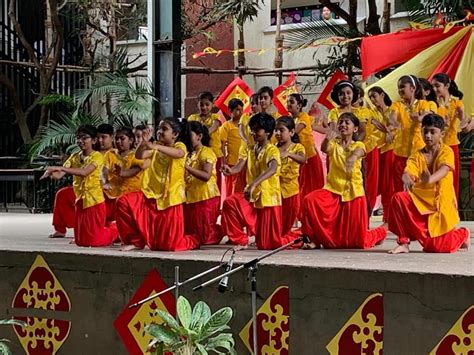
x=4, y=348
x=196, y=331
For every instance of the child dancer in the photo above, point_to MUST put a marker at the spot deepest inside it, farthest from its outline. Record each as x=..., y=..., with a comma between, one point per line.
x=336, y=216
x=122, y=171
x=312, y=173
x=212, y=121
x=89, y=221
x=406, y=117
x=202, y=194
x=154, y=215
x=244, y=129
x=428, y=94
x=230, y=138
x=451, y=108
x=105, y=136
x=263, y=191
x=138, y=132
x=292, y=155
x=382, y=111
x=265, y=97
x=428, y=211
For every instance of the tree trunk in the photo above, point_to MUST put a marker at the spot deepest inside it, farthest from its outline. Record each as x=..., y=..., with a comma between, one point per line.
x=241, y=54
x=373, y=26
x=278, y=42
x=386, y=16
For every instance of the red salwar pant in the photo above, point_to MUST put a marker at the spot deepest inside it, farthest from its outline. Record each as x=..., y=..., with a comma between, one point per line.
x=90, y=228
x=219, y=173
x=311, y=176
x=64, y=209
x=399, y=164
x=140, y=223
x=457, y=167
x=386, y=181
x=409, y=224
x=372, y=177
x=267, y=223
x=235, y=183
x=110, y=208
x=200, y=219
x=334, y=224
x=292, y=208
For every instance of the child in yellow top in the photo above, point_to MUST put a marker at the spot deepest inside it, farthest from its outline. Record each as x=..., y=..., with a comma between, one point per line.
x=336, y=216
x=406, y=116
x=292, y=155
x=202, y=195
x=451, y=108
x=244, y=129
x=154, y=215
x=231, y=141
x=428, y=211
x=312, y=173
x=122, y=171
x=263, y=189
x=105, y=137
x=428, y=94
x=86, y=166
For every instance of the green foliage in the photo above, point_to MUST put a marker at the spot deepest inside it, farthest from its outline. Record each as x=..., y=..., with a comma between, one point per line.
x=58, y=99
x=426, y=11
x=4, y=348
x=240, y=11
x=197, y=330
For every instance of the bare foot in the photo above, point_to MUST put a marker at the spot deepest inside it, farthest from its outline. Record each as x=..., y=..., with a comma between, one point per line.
x=72, y=242
x=56, y=235
x=467, y=243
x=402, y=248
x=129, y=248
x=310, y=246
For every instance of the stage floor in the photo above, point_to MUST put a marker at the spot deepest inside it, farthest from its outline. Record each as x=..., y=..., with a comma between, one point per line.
x=26, y=232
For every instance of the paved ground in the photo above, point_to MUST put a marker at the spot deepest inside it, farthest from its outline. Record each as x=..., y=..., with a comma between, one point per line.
x=27, y=232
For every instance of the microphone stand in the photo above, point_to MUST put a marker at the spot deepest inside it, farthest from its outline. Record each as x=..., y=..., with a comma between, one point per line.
x=252, y=267
x=178, y=284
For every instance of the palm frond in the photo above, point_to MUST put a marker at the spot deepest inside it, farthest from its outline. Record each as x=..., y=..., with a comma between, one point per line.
x=123, y=121
x=58, y=99
x=426, y=11
x=60, y=133
x=308, y=33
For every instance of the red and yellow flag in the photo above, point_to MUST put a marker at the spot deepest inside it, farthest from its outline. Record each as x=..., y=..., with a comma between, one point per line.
x=237, y=89
x=281, y=93
x=325, y=97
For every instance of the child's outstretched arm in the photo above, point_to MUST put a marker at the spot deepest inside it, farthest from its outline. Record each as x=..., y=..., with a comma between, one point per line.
x=237, y=168
x=357, y=154
x=429, y=178
x=299, y=157
x=330, y=135
x=269, y=172
x=242, y=133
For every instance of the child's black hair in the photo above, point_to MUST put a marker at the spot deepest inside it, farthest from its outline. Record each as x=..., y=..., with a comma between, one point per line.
x=380, y=91
x=126, y=131
x=254, y=98
x=206, y=95
x=433, y=119
x=354, y=120
x=412, y=81
x=178, y=127
x=453, y=87
x=105, y=128
x=265, y=89
x=426, y=86
x=234, y=103
x=289, y=123
x=140, y=127
x=300, y=100
x=87, y=129
x=198, y=128
x=340, y=85
x=263, y=121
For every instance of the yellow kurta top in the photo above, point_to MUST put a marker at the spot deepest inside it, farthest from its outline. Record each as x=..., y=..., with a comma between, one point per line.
x=373, y=136
x=348, y=185
x=268, y=193
x=208, y=121
x=408, y=137
x=384, y=118
x=433, y=106
x=120, y=186
x=196, y=189
x=229, y=133
x=448, y=112
x=290, y=171
x=306, y=134
x=362, y=113
x=437, y=200
x=164, y=179
x=244, y=122
x=87, y=188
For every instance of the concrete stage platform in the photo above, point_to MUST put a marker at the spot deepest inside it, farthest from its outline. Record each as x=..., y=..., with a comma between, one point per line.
x=423, y=294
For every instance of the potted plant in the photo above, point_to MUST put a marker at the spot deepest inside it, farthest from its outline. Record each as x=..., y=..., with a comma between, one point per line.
x=195, y=331
x=4, y=348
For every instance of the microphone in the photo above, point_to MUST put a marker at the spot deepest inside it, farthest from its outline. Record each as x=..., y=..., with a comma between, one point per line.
x=223, y=283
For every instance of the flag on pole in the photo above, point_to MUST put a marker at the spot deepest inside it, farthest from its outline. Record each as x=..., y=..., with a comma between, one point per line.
x=237, y=89
x=281, y=93
x=325, y=97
